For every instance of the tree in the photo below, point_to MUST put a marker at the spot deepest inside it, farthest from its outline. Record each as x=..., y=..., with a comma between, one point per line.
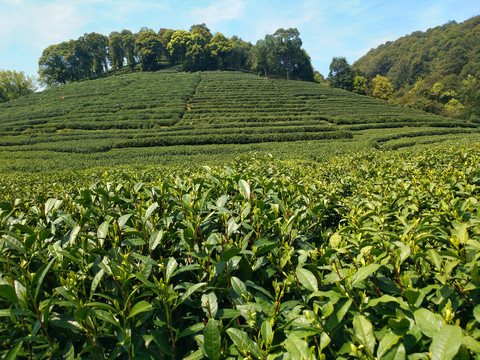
x=341, y=74
x=197, y=56
x=360, y=85
x=263, y=56
x=220, y=47
x=318, y=78
x=239, y=56
x=98, y=49
x=78, y=60
x=282, y=54
x=116, y=50
x=150, y=49
x=470, y=97
x=382, y=88
x=203, y=30
x=128, y=40
x=177, y=46
x=302, y=68
x=52, y=66
x=165, y=36
x=15, y=84
x=287, y=47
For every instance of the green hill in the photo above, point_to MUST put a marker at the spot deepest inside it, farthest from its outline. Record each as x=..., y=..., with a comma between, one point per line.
x=170, y=117
x=429, y=69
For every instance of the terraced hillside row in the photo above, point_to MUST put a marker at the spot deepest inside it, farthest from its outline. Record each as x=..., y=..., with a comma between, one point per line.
x=153, y=117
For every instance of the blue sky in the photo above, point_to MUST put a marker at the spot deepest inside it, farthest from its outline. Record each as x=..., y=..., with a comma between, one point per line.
x=328, y=28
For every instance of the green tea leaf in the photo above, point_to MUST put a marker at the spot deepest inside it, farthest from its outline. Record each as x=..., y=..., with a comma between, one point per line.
x=244, y=188
x=8, y=292
x=212, y=340
x=69, y=352
x=297, y=348
x=190, y=290
x=102, y=230
x=238, y=286
x=210, y=304
x=341, y=309
x=397, y=352
x=96, y=281
x=428, y=322
x=471, y=344
x=307, y=279
x=197, y=355
x=13, y=352
x=122, y=220
x=150, y=210
x=476, y=313
x=363, y=273
x=14, y=312
x=446, y=343
x=243, y=342
x=389, y=340
x=138, y=308
x=364, y=332
x=155, y=239
x=40, y=279
x=435, y=258
x=267, y=332
x=171, y=266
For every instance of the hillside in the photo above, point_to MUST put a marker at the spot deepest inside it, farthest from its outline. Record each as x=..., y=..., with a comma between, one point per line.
x=429, y=69
x=159, y=117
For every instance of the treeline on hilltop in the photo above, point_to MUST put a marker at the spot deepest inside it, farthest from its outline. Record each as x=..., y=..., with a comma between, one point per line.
x=94, y=55
x=436, y=71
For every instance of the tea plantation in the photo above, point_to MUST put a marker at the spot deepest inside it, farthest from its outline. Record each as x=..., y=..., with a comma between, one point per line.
x=170, y=117
x=368, y=256
x=222, y=215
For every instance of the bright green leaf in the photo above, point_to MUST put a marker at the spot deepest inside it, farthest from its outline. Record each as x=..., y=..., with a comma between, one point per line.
x=397, y=352
x=212, y=341
x=244, y=188
x=297, y=348
x=428, y=322
x=389, y=340
x=363, y=272
x=238, y=286
x=243, y=342
x=307, y=279
x=171, y=266
x=364, y=332
x=102, y=231
x=139, y=307
x=446, y=343
x=155, y=239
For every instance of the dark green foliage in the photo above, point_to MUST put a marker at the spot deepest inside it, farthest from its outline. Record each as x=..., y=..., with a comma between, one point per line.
x=436, y=71
x=341, y=74
x=366, y=256
x=205, y=115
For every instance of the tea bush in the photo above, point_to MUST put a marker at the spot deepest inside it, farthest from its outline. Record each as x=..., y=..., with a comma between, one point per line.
x=365, y=256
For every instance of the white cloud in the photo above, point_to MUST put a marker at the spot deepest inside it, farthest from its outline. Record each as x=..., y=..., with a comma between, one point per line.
x=223, y=10
x=38, y=24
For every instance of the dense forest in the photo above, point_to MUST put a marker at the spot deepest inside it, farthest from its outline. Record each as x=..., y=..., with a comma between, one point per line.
x=94, y=55
x=437, y=70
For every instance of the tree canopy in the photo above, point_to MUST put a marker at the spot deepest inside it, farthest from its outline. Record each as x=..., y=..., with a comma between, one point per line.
x=15, y=84
x=94, y=55
x=281, y=54
x=341, y=74
x=436, y=71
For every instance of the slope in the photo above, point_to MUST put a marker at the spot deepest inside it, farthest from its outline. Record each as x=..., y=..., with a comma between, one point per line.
x=432, y=68
x=166, y=117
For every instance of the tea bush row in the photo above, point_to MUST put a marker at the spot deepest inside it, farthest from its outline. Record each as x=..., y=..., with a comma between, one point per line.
x=367, y=256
